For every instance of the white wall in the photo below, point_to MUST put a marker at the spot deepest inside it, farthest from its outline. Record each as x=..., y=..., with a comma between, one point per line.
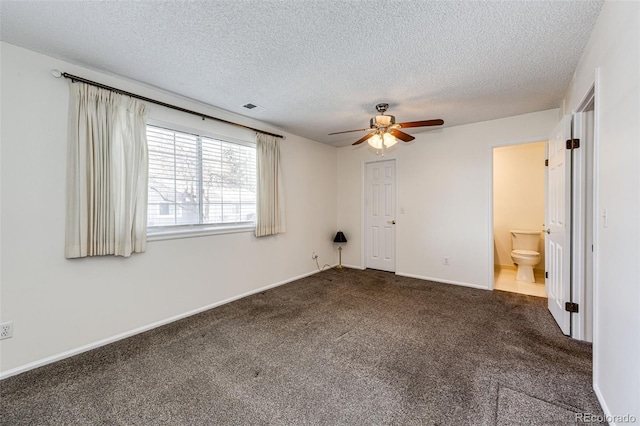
x=614, y=50
x=518, y=196
x=444, y=187
x=60, y=305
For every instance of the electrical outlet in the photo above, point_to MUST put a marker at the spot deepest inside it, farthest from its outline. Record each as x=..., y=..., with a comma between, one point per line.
x=314, y=256
x=445, y=261
x=6, y=330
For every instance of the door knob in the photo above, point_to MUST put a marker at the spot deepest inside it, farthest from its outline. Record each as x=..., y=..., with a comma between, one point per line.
x=548, y=230
x=393, y=222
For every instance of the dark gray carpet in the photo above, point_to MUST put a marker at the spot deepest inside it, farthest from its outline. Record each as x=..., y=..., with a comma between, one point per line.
x=338, y=348
x=517, y=408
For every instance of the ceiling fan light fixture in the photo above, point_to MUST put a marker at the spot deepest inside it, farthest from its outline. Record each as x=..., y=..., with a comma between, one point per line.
x=389, y=140
x=375, y=141
x=384, y=131
x=382, y=140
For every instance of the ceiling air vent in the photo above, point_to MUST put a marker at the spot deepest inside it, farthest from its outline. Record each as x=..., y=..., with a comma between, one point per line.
x=253, y=107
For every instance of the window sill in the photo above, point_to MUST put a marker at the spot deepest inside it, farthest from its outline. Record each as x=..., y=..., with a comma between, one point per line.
x=196, y=231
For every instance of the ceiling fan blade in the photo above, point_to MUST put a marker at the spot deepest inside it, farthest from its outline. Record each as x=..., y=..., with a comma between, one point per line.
x=422, y=123
x=364, y=138
x=349, y=131
x=401, y=135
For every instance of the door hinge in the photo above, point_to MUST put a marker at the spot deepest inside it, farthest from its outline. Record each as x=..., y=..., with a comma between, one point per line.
x=546, y=274
x=546, y=163
x=571, y=307
x=573, y=143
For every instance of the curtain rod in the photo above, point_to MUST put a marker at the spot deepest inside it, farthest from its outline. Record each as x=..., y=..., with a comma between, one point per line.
x=75, y=78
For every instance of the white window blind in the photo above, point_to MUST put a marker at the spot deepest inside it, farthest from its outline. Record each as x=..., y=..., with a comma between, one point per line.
x=199, y=180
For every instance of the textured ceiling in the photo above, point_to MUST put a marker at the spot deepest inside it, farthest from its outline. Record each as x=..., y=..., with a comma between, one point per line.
x=321, y=66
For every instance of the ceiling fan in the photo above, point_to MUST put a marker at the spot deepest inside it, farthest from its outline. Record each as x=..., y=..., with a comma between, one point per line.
x=384, y=131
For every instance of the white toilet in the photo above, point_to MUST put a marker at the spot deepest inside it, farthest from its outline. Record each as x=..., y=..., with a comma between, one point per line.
x=525, y=253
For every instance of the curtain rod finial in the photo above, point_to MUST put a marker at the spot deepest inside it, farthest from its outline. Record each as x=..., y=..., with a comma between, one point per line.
x=56, y=73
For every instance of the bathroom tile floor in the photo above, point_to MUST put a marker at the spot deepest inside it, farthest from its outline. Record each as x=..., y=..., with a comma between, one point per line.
x=505, y=280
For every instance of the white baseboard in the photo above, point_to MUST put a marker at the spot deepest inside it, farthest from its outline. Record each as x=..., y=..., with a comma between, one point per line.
x=603, y=404
x=115, y=338
x=515, y=268
x=420, y=277
x=440, y=280
x=510, y=267
x=353, y=267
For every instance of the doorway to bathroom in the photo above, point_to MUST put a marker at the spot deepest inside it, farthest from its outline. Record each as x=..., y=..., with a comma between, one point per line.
x=518, y=218
x=569, y=274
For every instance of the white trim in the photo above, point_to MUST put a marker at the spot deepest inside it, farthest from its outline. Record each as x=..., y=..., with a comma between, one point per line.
x=592, y=91
x=510, y=267
x=578, y=218
x=161, y=233
x=440, y=280
x=354, y=267
x=491, y=238
x=603, y=404
x=190, y=231
x=581, y=328
x=491, y=278
x=120, y=336
x=596, y=254
x=396, y=202
x=363, y=182
x=325, y=267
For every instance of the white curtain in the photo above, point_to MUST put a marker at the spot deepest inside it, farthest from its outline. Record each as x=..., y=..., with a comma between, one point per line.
x=107, y=167
x=270, y=197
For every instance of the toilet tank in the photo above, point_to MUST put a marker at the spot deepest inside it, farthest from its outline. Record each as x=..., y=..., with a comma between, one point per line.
x=525, y=240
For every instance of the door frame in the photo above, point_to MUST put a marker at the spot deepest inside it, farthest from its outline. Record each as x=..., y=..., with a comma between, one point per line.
x=592, y=90
x=583, y=323
x=491, y=277
x=363, y=225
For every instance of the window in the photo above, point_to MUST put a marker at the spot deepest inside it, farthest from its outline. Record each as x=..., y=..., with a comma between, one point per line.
x=198, y=180
x=163, y=209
